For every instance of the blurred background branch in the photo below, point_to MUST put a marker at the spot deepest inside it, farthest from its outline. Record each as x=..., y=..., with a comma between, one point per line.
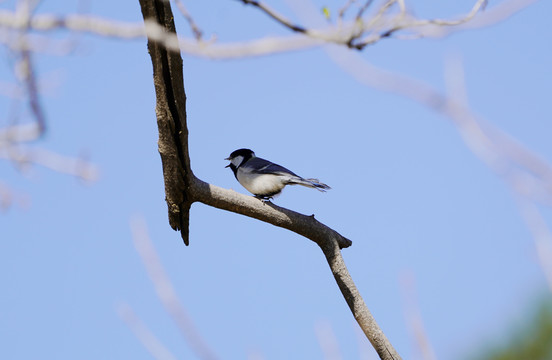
x=166, y=292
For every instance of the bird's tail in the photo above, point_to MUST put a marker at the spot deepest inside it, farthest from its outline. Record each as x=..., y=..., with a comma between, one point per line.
x=313, y=183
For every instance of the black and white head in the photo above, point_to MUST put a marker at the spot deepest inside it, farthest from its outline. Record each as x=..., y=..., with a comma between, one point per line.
x=238, y=157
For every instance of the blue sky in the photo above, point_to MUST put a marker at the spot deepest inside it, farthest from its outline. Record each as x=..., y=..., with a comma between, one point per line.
x=405, y=188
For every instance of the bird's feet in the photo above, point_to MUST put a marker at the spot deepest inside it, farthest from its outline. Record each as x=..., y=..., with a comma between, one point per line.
x=264, y=199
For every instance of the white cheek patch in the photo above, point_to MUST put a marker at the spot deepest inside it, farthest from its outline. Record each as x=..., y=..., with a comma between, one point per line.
x=237, y=160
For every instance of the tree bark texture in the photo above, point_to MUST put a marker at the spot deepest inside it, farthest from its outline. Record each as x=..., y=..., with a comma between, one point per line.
x=171, y=118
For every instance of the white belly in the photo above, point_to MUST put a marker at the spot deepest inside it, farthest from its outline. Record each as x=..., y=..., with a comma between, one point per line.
x=261, y=184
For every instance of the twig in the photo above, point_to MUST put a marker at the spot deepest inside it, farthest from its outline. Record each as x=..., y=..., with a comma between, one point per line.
x=362, y=9
x=358, y=27
x=343, y=10
x=479, y=5
x=402, y=24
x=195, y=29
x=273, y=14
x=498, y=13
x=29, y=78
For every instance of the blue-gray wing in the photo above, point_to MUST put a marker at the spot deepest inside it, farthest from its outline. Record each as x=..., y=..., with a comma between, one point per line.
x=263, y=166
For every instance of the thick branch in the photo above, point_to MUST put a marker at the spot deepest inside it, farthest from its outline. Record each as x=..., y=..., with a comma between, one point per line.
x=328, y=239
x=171, y=117
x=356, y=303
x=304, y=225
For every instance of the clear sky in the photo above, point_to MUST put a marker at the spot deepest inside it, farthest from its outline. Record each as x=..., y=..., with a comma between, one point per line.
x=415, y=201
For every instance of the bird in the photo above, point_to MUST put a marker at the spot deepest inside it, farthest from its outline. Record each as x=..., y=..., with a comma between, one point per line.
x=263, y=178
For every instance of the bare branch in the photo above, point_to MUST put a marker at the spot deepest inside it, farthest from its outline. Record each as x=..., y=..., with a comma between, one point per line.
x=359, y=27
x=79, y=23
x=182, y=188
x=230, y=200
x=6, y=197
x=77, y=167
x=165, y=290
x=10, y=197
x=327, y=341
x=479, y=5
x=498, y=13
x=195, y=29
x=345, y=8
x=273, y=14
x=541, y=234
x=499, y=151
x=362, y=9
x=440, y=23
x=235, y=50
x=360, y=311
x=171, y=115
x=14, y=138
x=374, y=29
x=528, y=176
x=11, y=90
x=365, y=350
x=414, y=317
x=329, y=241
x=145, y=335
x=29, y=78
x=18, y=134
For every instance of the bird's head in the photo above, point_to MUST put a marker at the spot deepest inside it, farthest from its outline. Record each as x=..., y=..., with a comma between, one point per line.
x=238, y=157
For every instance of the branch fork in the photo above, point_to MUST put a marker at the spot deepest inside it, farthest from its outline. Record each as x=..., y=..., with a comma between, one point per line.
x=182, y=187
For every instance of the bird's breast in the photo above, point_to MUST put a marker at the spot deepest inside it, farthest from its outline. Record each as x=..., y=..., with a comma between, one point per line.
x=260, y=184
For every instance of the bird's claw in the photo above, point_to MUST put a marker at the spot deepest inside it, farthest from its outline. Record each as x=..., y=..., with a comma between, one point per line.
x=264, y=199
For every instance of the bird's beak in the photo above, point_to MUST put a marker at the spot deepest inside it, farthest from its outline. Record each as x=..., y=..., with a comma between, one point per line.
x=228, y=164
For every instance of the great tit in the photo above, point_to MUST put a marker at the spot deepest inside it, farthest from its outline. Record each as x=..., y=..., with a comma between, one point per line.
x=263, y=178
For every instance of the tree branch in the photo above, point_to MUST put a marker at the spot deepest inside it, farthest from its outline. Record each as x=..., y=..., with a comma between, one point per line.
x=166, y=292
x=171, y=117
x=353, y=34
x=182, y=188
x=193, y=26
x=230, y=200
x=356, y=303
x=328, y=239
x=274, y=15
